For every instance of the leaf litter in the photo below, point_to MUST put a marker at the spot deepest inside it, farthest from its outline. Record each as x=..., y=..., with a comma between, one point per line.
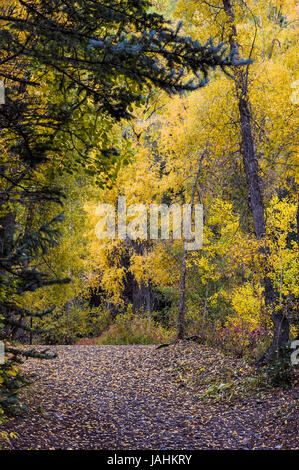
x=186, y=396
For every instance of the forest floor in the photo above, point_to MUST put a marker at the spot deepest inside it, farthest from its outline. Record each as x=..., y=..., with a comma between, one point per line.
x=137, y=397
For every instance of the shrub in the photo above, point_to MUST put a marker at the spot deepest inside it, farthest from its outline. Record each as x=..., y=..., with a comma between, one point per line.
x=12, y=380
x=130, y=328
x=241, y=340
x=69, y=326
x=4, y=435
x=280, y=372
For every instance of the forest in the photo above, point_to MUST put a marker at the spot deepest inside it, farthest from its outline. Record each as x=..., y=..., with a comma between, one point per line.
x=112, y=111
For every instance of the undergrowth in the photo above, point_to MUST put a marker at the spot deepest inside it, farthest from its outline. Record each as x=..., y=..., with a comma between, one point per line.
x=135, y=329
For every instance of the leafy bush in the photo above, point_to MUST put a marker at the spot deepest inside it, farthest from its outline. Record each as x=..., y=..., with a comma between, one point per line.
x=130, y=328
x=241, y=340
x=76, y=322
x=4, y=435
x=11, y=382
x=280, y=372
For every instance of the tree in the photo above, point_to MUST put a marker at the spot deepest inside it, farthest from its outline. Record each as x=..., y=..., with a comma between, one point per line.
x=250, y=160
x=228, y=15
x=224, y=288
x=58, y=59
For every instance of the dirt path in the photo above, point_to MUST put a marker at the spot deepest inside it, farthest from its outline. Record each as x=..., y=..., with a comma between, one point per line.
x=124, y=397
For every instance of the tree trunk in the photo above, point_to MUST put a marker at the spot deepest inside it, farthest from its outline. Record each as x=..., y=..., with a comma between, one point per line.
x=138, y=294
x=250, y=161
x=205, y=310
x=181, y=309
x=181, y=312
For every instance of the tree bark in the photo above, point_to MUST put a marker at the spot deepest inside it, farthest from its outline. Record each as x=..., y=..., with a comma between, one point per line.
x=181, y=309
x=250, y=161
x=181, y=312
